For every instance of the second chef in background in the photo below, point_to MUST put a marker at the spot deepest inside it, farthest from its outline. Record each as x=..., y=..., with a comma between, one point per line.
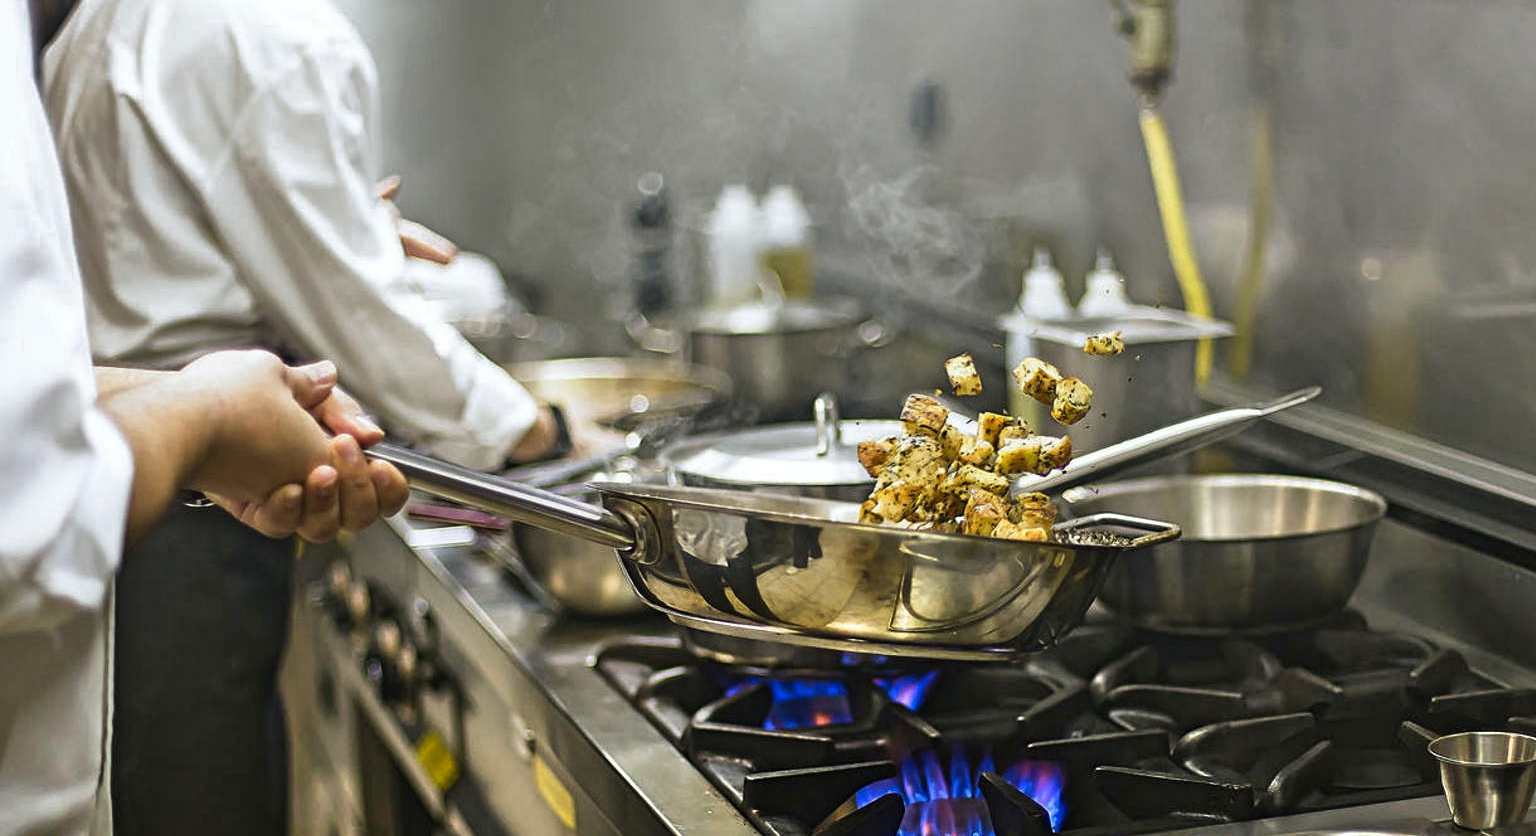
x=221, y=158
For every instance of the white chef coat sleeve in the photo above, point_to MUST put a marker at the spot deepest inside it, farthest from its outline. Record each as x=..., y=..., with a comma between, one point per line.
x=65, y=471
x=295, y=203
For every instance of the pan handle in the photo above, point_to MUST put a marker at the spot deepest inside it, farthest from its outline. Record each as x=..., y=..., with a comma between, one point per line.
x=522, y=503
x=1157, y=531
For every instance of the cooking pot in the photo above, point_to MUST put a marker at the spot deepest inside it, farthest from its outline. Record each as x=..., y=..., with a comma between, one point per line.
x=609, y=401
x=779, y=353
x=1259, y=552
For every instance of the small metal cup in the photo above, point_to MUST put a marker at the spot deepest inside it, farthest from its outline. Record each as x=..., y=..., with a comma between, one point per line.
x=1489, y=777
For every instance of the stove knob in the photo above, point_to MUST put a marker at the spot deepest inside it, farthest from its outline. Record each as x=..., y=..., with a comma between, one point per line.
x=338, y=577
x=359, y=607
x=387, y=640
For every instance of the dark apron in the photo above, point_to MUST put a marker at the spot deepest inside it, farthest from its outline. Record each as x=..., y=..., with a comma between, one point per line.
x=198, y=738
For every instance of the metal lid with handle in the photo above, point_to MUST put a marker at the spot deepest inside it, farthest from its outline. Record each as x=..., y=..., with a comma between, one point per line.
x=823, y=453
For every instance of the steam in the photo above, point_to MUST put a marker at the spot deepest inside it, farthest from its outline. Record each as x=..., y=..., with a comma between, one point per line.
x=906, y=243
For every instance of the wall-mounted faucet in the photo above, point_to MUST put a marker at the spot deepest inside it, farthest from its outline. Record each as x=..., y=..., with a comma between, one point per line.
x=1148, y=25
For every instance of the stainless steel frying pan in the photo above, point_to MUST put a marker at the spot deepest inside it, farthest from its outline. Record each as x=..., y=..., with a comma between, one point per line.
x=803, y=571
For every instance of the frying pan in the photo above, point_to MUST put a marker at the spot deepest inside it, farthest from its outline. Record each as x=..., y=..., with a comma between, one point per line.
x=803, y=571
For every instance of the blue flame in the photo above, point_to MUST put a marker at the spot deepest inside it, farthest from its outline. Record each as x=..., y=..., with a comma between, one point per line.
x=807, y=703
x=953, y=806
x=910, y=691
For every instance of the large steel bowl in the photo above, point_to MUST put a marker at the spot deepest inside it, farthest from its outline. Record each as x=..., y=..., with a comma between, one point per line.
x=605, y=397
x=1259, y=552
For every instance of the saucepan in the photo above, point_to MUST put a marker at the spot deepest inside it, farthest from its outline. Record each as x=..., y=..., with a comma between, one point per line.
x=803, y=571
x=1260, y=553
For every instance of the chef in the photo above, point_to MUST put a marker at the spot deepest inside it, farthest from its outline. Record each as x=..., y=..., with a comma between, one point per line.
x=221, y=158
x=90, y=459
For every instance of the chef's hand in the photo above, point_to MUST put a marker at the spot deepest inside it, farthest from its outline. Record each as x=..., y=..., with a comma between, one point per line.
x=348, y=494
x=418, y=241
x=539, y=442
x=341, y=490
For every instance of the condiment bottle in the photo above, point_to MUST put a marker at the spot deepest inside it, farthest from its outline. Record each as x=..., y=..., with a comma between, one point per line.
x=787, y=241
x=735, y=241
x=1105, y=296
x=1043, y=297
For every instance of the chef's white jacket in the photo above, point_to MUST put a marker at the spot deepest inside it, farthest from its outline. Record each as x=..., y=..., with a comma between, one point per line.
x=221, y=158
x=65, y=474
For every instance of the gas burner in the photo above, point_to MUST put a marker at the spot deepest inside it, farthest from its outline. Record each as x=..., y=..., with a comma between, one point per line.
x=957, y=794
x=1134, y=731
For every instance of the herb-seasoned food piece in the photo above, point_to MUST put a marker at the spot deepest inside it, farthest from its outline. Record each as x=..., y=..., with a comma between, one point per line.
x=1038, y=454
x=924, y=412
x=976, y=451
x=1104, y=344
x=1073, y=400
x=963, y=378
x=967, y=476
x=983, y=511
x=918, y=460
x=1015, y=429
x=1032, y=510
x=989, y=425
x=895, y=501
x=953, y=440
x=1037, y=379
x=1013, y=531
x=875, y=453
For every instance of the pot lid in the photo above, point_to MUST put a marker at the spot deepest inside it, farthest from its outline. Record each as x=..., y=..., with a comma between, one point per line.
x=782, y=454
x=821, y=453
x=774, y=317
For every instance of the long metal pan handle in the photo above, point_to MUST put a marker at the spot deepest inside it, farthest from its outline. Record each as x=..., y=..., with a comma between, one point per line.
x=1166, y=442
x=521, y=503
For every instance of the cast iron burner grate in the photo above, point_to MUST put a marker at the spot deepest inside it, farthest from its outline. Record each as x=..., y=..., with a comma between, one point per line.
x=1113, y=731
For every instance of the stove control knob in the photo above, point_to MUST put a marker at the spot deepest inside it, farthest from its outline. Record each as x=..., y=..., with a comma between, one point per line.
x=338, y=576
x=359, y=607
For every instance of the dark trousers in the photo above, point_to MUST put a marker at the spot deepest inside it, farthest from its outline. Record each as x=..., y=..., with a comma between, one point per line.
x=198, y=737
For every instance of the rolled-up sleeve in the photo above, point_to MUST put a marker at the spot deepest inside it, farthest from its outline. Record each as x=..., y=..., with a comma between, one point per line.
x=295, y=203
x=65, y=471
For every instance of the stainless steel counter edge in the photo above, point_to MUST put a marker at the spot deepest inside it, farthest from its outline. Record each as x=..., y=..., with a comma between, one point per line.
x=528, y=656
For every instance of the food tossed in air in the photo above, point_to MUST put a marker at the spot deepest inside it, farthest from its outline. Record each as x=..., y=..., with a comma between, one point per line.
x=963, y=378
x=1073, y=400
x=1104, y=344
x=1037, y=379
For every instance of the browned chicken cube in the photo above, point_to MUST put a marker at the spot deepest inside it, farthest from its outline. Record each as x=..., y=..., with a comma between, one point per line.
x=1015, y=429
x=989, y=425
x=1104, y=344
x=967, y=476
x=983, y=511
x=874, y=454
x=1037, y=379
x=976, y=451
x=924, y=412
x=953, y=440
x=1037, y=454
x=1013, y=531
x=963, y=378
x=1033, y=510
x=1073, y=400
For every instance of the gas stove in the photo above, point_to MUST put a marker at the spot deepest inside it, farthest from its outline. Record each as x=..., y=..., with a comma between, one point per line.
x=1113, y=731
x=564, y=725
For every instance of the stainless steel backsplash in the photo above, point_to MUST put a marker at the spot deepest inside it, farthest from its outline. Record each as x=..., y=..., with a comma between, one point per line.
x=1401, y=272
